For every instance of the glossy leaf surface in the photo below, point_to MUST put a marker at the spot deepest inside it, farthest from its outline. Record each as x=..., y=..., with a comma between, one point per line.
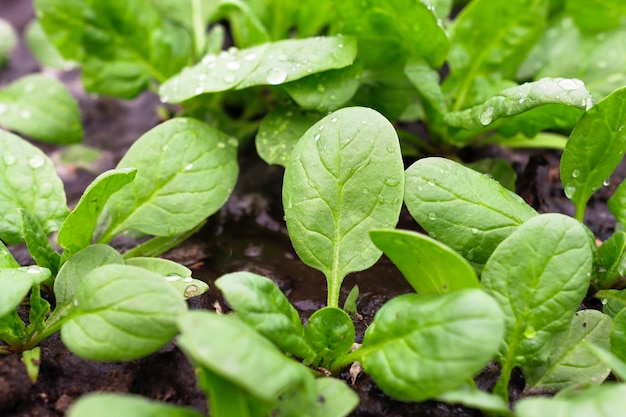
x=104, y=404
x=121, y=312
x=428, y=265
x=344, y=178
x=330, y=332
x=462, y=208
x=175, y=274
x=420, y=346
x=16, y=284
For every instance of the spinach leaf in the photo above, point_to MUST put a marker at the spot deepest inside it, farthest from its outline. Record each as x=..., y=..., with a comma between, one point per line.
x=260, y=304
x=617, y=204
x=333, y=399
x=429, y=266
x=473, y=397
x=279, y=131
x=266, y=64
x=597, y=401
x=38, y=244
x=326, y=91
x=177, y=275
x=6, y=258
x=239, y=356
x=104, y=404
x=420, y=346
x=570, y=362
x=517, y=100
x=41, y=107
x=121, y=45
x=344, y=178
x=611, y=260
x=539, y=275
x=618, y=335
x=426, y=81
x=121, y=312
x=330, y=332
x=77, y=230
x=16, y=284
x=594, y=16
x=185, y=171
x=462, y=208
x=393, y=31
x=43, y=50
x=480, y=59
x=594, y=149
x=499, y=169
x=8, y=41
x=30, y=183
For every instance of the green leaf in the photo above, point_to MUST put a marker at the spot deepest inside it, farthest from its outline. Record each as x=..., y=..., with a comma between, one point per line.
x=616, y=365
x=333, y=399
x=594, y=16
x=121, y=45
x=611, y=260
x=279, y=132
x=260, y=304
x=185, y=172
x=475, y=398
x=32, y=360
x=596, y=401
x=177, y=275
x=420, y=346
x=486, y=56
x=121, y=312
x=42, y=108
x=6, y=259
x=387, y=90
x=349, y=305
x=39, y=309
x=77, y=267
x=344, y=178
x=594, y=149
x=617, y=204
x=463, y=208
x=330, y=332
x=570, y=362
x=326, y=91
x=45, y=53
x=8, y=41
x=543, y=140
x=539, y=275
x=267, y=64
x=78, y=228
x=239, y=355
x=247, y=29
x=16, y=284
x=618, y=335
x=612, y=300
x=499, y=169
x=104, y=404
x=550, y=117
x=517, y=100
x=38, y=244
x=426, y=81
x=394, y=31
x=429, y=266
x=30, y=183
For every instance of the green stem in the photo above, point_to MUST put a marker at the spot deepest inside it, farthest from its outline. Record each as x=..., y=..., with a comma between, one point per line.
x=502, y=386
x=343, y=361
x=198, y=27
x=53, y=325
x=580, y=213
x=161, y=244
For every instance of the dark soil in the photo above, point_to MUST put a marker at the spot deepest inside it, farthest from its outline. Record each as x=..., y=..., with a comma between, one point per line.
x=247, y=234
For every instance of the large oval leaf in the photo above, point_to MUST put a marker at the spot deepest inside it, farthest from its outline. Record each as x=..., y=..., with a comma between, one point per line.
x=429, y=266
x=343, y=179
x=594, y=149
x=420, y=346
x=462, y=208
x=539, y=275
x=16, y=284
x=185, y=172
x=30, y=183
x=104, y=404
x=121, y=312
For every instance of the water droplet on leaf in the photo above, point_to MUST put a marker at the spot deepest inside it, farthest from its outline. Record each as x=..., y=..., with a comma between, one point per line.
x=36, y=161
x=233, y=65
x=530, y=333
x=230, y=78
x=486, y=117
x=334, y=120
x=9, y=159
x=25, y=114
x=575, y=173
x=276, y=75
x=432, y=216
x=191, y=291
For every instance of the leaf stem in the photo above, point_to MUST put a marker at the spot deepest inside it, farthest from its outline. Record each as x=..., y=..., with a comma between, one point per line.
x=161, y=244
x=198, y=28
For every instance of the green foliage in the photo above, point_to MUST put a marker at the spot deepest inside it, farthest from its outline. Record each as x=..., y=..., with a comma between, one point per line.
x=8, y=41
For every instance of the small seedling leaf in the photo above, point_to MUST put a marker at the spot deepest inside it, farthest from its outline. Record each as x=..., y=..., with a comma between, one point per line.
x=43, y=50
x=185, y=172
x=267, y=64
x=330, y=332
x=343, y=179
x=570, y=362
x=261, y=305
x=8, y=41
x=594, y=149
x=121, y=312
x=463, y=208
x=38, y=244
x=611, y=260
x=618, y=335
x=421, y=346
x=32, y=184
x=16, y=284
x=428, y=265
x=78, y=228
x=333, y=398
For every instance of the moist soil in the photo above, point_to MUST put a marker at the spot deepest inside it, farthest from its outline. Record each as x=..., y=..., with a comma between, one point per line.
x=247, y=234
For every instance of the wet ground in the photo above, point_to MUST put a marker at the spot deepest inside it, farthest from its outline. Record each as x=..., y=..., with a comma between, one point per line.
x=247, y=234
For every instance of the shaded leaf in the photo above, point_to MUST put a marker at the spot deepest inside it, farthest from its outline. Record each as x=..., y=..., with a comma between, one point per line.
x=104, y=404
x=8, y=41
x=16, y=284
x=330, y=332
x=38, y=244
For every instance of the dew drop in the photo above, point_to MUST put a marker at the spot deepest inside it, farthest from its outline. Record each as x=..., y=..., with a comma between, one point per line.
x=276, y=75
x=3, y=108
x=607, y=182
x=221, y=145
x=380, y=198
x=474, y=230
x=317, y=137
x=251, y=56
x=172, y=278
x=191, y=291
x=432, y=216
x=29, y=87
x=568, y=85
x=188, y=167
x=432, y=184
x=9, y=159
x=486, y=117
x=34, y=269
x=570, y=191
x=198, y=90
x=392, y=182
x=233, y=142
x=25, y=114
x=230, y=78
x=432, y=234
x=620, y=128
x=604, y=301
x=321, y=127
x=530, y=333
x=334, y=120
x=321, y=88
x=522, y=100
x=36, y=161
x=233, y=65
x=208, y=59
x=575, y=173
x=469, y=255
x=366, y=190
